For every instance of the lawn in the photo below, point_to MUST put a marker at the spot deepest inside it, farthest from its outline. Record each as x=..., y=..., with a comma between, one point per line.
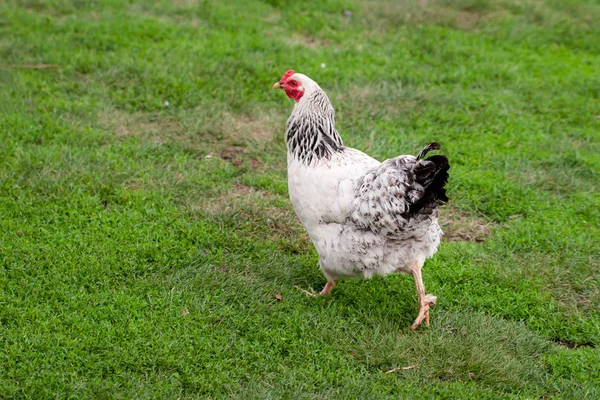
x=148, y=248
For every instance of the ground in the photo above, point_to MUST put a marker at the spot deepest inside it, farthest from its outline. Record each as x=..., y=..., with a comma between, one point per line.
x=148, y=248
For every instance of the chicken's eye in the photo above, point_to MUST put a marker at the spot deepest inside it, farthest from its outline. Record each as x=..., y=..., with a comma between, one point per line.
x=293, y=83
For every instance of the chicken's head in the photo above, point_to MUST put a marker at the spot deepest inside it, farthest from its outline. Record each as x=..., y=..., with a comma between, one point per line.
x=292, y=84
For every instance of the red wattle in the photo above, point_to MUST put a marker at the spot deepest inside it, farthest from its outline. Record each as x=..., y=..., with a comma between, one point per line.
x=294, y=94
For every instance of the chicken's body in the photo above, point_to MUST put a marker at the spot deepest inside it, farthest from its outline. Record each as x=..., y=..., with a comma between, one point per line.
x=364, y=217
x=323, y=194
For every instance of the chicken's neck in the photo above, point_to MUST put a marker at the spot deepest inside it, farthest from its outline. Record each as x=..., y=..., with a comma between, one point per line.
x=311, y=133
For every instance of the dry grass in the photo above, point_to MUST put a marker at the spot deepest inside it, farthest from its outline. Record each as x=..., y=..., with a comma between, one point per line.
x=256, y=208
x=422, y=12
x=468, y=15
x=262, y=127
x=308, y=41
x=145, y=126
x=461, y=226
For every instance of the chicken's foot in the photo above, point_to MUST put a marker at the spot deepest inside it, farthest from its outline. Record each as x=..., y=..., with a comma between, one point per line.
x=326, y=290
x=310, y=293
x=426, y=301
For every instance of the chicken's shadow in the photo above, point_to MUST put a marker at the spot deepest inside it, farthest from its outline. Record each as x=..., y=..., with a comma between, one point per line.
x=392, y=298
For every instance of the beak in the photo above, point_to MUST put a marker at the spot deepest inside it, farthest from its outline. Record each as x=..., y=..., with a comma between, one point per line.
x=277, y=86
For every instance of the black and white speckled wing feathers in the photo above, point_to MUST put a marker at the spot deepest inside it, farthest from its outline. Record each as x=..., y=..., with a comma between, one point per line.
x=399, y=197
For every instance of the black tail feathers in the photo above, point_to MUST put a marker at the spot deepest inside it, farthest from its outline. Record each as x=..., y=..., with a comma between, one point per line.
x=432, y=174
x=431, y=146
x=440, y=177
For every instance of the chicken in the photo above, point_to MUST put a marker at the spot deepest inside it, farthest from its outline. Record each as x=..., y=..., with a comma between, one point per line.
x=363, y=216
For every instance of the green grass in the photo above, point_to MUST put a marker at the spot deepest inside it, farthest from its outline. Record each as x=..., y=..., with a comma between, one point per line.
x=145, y=228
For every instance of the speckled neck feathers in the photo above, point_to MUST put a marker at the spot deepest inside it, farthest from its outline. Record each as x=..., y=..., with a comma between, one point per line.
x=311, y=133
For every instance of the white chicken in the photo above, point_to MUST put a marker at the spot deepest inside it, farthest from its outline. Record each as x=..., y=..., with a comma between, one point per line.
x=364, y=217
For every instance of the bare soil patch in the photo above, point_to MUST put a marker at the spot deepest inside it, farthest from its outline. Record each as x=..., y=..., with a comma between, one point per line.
x=461, y=226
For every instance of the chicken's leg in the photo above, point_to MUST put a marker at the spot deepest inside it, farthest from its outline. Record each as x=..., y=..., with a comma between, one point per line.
x=425, y=300
x=328, y=288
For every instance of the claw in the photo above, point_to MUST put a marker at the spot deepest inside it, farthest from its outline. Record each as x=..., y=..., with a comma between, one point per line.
x=424, y=306
x=306, y=292
x=326, y=290
x=423, y=315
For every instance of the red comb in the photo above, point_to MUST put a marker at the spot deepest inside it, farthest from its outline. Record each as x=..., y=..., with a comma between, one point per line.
x=287, y=75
